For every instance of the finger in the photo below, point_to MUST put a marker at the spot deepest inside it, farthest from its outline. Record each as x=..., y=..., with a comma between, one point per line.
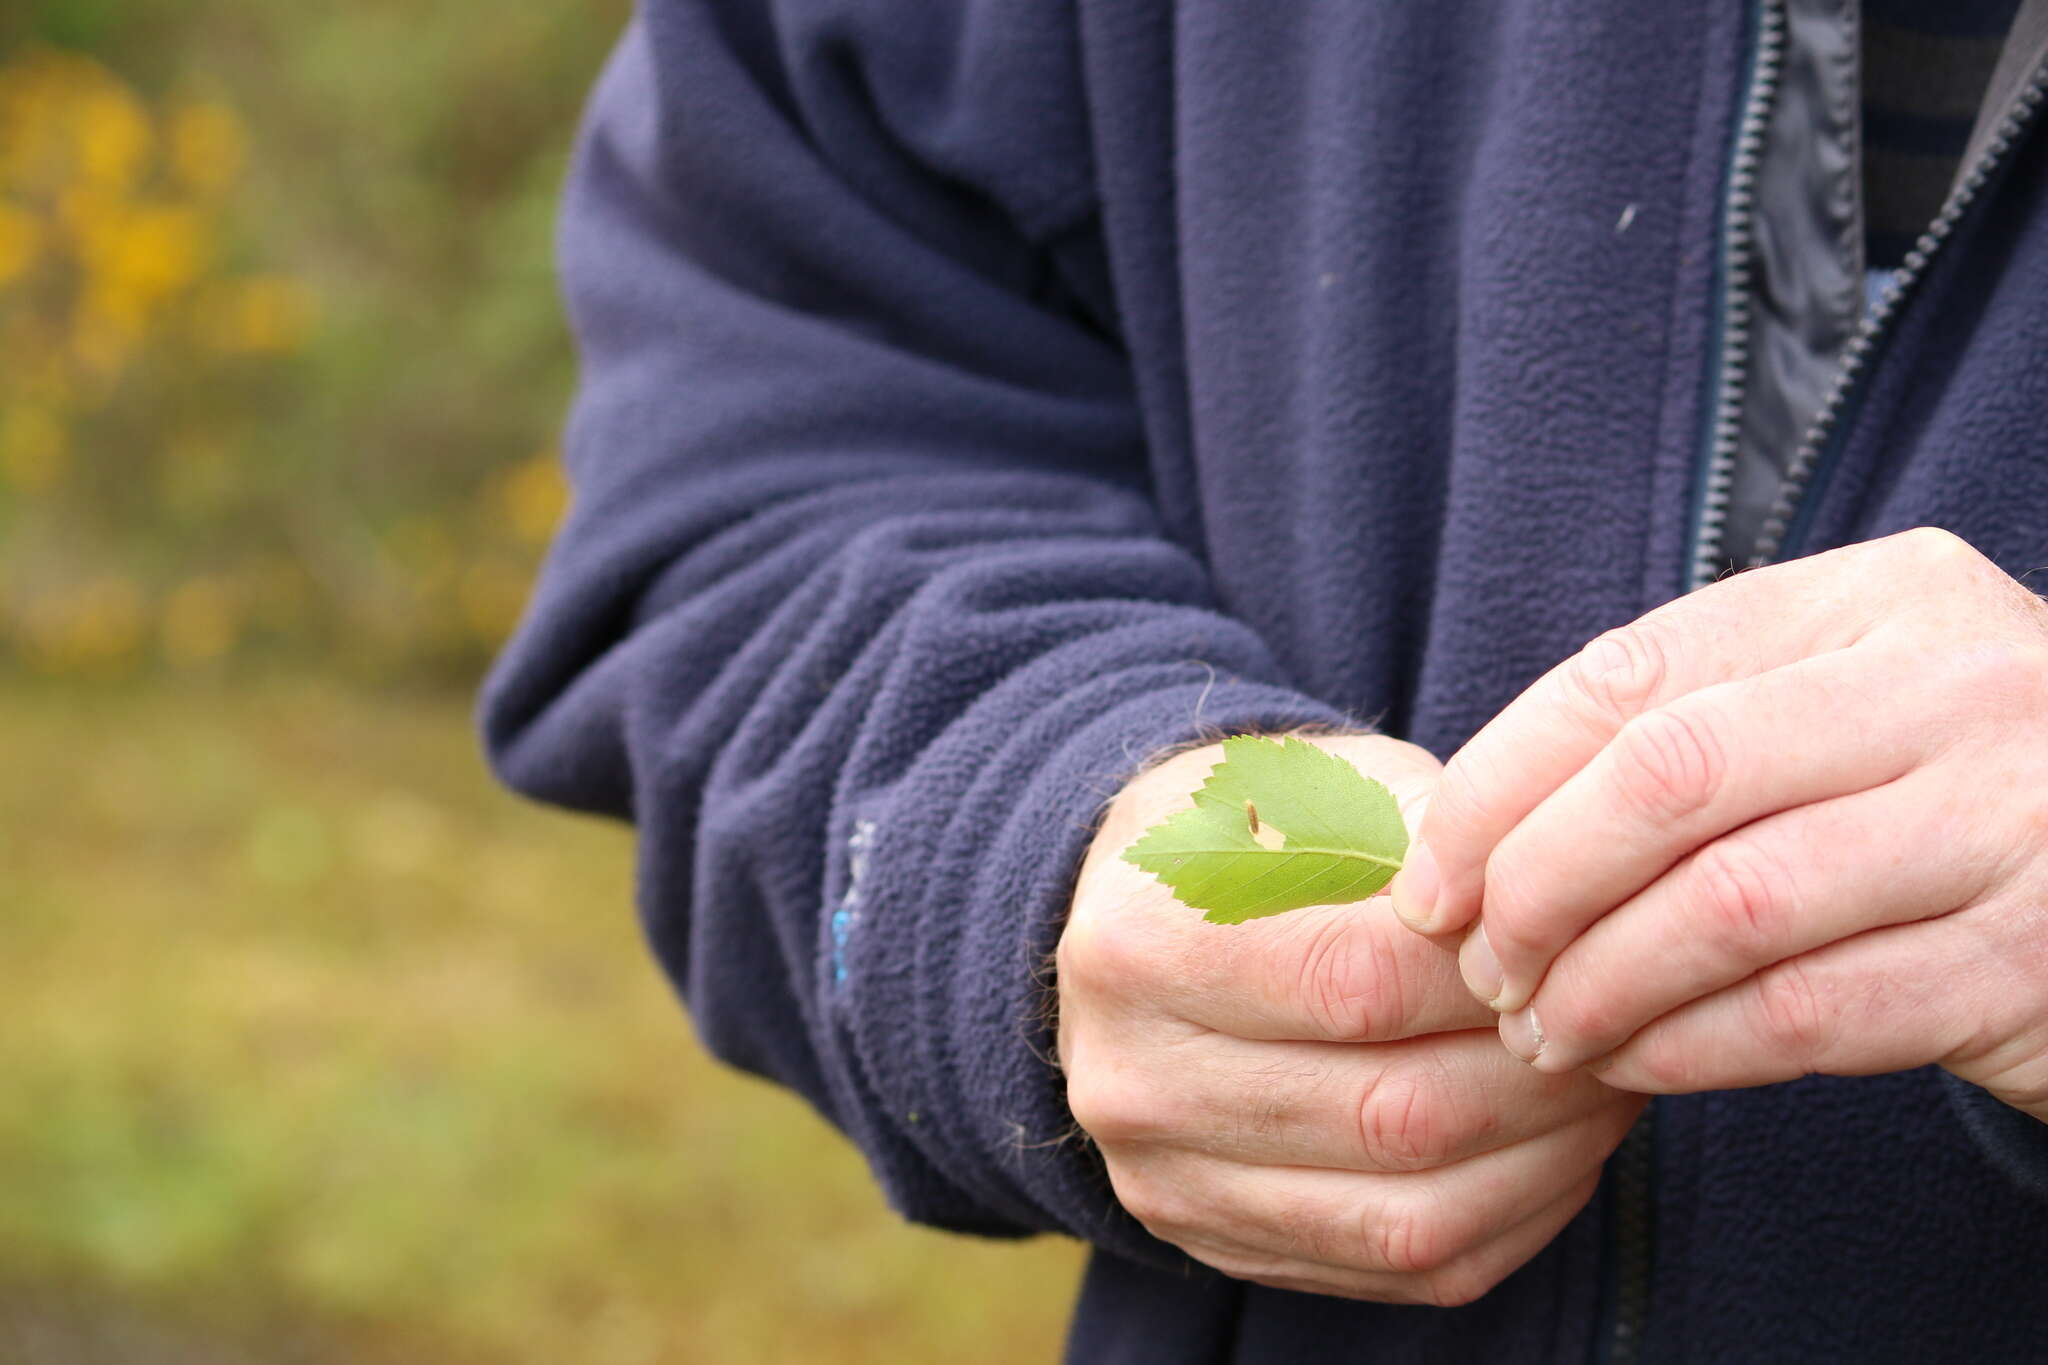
x=1736, y=628
x=1352, y=1222
x=1460, y=1281
x=1674, y=778
x=1340, y=974
x=1393, y=1107
x=1771, y=890
x=1889, y=1000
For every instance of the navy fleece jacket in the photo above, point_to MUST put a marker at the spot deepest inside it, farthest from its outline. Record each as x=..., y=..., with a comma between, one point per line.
x=980, y=397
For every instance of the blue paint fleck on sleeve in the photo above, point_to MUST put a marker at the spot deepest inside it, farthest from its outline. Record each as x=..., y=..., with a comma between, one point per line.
x=846, y=918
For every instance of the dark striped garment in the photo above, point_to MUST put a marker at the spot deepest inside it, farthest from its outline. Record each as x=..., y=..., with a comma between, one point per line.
x=1925, y=69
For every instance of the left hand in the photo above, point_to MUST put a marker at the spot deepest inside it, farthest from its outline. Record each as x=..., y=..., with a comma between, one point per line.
x=1795, y=822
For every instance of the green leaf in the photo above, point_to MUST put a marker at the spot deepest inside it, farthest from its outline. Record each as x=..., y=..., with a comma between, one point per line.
x=1327, y=834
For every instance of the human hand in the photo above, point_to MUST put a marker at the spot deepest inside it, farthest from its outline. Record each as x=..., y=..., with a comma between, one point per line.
x=1312, y=1101
x=1795, y=822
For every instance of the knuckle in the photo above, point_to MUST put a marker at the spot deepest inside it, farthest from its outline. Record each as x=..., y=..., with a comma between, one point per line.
x=1579, y=1017
x=1936, y=547
x=1402, y=1124
x=1089, y=1103
x=1791, y=1014
x=1406, y=1235
x=1669, y=763
x=1941, y=557
x=1669, y=1069
x=1077, y=959
x=1746, y=896
x=1155, y=1202
x=1348, y=981
x=1106, y=953
x=1455, y=1286
x=1112, y=1109
x=1619, y=672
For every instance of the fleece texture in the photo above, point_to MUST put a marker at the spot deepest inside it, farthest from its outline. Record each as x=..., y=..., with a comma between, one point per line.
x=980, y=399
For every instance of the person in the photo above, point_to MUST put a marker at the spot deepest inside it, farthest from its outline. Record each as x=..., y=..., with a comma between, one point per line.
x=987, y=407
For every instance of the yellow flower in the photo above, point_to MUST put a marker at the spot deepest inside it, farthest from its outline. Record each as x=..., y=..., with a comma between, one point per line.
x=94, y=219
x=208, y=146
x=532, y=496
x=135, y=258
x=113, y=134
x=157, y=250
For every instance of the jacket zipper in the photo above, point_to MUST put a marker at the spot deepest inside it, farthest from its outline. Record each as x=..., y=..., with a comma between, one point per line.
x=1784, y=526
x=1738, y=249
x=1633, y=1233
x=1790, y=511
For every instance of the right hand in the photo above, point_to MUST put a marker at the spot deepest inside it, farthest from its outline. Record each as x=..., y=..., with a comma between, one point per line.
x=1314, y=1101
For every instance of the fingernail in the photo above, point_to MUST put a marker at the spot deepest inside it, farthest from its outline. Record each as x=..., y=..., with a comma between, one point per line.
x=1522, y=1031
x=1479, y=967
x=1415, y=888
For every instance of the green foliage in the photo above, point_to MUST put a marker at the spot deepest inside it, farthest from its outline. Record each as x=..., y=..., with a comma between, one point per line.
x=314, y=1035
x=281, y=357
x=1278, y=826
x=312, y=1031
x=74, y=23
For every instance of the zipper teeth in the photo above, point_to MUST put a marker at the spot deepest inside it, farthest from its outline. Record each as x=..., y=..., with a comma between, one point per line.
x=1738, y=236
x=1798, y=477
x=1634, y=1230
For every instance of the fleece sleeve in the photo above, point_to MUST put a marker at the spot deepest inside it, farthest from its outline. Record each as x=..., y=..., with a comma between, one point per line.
x=862, y=608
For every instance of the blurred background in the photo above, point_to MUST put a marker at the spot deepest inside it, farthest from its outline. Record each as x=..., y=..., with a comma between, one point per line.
x=316, y=1046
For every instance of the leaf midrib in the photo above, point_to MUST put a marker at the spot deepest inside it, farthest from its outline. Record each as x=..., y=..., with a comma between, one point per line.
x=1289, y=852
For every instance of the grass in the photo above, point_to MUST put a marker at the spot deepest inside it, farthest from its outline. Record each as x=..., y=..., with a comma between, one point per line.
x=319, y=1047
